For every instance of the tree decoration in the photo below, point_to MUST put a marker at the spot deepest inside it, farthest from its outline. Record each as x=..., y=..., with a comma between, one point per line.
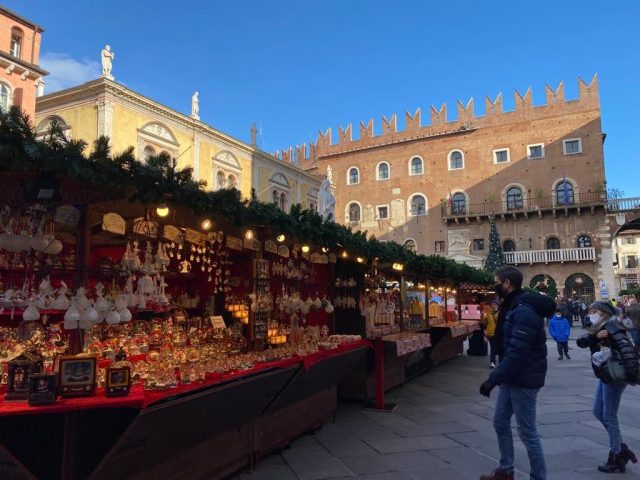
x=495, y=259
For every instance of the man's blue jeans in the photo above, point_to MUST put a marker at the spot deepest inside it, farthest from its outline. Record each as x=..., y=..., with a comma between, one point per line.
x=522, y=403
x=605, y=409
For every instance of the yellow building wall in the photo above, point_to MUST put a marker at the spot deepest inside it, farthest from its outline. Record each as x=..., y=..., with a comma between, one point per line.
x=83, y=120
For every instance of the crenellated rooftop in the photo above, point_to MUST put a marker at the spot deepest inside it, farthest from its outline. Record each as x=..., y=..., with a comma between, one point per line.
x=307, y=155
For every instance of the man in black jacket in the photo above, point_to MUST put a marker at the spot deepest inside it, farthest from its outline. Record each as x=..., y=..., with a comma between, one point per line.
x=521, y=372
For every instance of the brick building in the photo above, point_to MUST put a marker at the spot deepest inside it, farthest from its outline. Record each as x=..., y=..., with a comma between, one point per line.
x=537, y=170
x=21, y=79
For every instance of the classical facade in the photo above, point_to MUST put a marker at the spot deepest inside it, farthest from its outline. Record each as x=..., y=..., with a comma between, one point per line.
x=21, y=79
x=627, y=255
x=104, y=107
x=538, y=171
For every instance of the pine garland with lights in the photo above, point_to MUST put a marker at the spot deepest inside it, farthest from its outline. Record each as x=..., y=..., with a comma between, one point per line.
x=160, y=181
x=495, y=259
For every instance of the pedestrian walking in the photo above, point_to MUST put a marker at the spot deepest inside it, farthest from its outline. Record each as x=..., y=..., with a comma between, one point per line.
x=610, y=345
x=559, y=329
x=633, y=314
x=521, y=372
x=489, y=315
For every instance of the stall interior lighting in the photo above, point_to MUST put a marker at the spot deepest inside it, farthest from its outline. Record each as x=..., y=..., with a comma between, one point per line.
x=281, y=238
x=359, y=259
x=249, y=235
x=345, y=254
x=325, y=250
x=305, y=249
x=206, y=224
x=162, y=210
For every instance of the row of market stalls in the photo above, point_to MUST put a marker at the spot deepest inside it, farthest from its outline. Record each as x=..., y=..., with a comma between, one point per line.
x=150, y=328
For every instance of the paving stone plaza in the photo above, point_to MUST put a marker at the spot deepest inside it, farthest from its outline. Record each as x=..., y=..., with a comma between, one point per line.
x=442, y=429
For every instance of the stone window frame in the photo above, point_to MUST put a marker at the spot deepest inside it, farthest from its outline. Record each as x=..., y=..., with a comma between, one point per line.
x=378, y=217
x=568, y=140
x=449, y=159
x=466, y=200
x=404, y=244
x=16, y=33
x=529, y=157
x=574, y=191
x=44, y=127
x=552, y=238
x=411, y=174
x=347, y=213
x=515, y=245
x=584, y=235
x=159, y=143
x=9, y=94
x=349, y=175
x=226, y=162
x=378, y=171
x=478, y=241
x=280, y=183
x=495, y=155
x=440, y=246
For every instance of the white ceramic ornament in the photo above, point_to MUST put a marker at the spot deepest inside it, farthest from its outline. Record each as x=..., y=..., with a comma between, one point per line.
x=125, y=315
x=113, y=316
x=31, y=313
x=72, y=316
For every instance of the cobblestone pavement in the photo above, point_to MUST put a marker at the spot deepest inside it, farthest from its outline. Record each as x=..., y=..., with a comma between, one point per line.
x=442, y=429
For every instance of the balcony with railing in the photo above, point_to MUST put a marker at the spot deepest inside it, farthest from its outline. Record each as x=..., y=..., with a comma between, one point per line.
x=514, y=206
x=626, y=270
x=620, y=205
x=560, y=255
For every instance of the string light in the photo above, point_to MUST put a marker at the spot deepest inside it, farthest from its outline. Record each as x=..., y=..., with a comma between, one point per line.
x=206, y=224
x=281, y=238
x=359, y=259
x=344, y=254
x=249, y=235
x=305, y=249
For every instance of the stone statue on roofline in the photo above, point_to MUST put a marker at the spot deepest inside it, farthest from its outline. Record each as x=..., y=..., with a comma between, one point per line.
x=326, y=201
x=107, y=56
x=195, y=106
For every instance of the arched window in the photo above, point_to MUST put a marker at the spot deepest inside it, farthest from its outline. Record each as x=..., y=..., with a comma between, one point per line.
x=564, y=193
x=456, y=160
x=509, y=246
x=458, y=203
x=353, y=177
x=553, y=243
x=148, y=152
x=416, y=166
x=5, y=98
x=15, y=48
x=410, y=245
x=383, y=171
x=220, y=180
x=312, y=206
x=283, y=202
x=275, y=197
x=514, y=199
x=418, y=205
x=354, y=213
x=231, y=181
x=584, y=241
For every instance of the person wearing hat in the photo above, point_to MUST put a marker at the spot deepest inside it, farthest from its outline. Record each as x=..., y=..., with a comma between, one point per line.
x=489, y=318
x=608, y=334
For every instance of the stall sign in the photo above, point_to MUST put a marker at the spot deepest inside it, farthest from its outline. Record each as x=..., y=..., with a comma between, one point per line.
x=333, y=258
x=195, y=237
x=173, y=234
x=283, y=251
x=251, y=244
x=114, y=223
x=234, y=243
x=67, y=215
x=217, y=321
x=146, y=227
x=319, y=258
x=271, y=247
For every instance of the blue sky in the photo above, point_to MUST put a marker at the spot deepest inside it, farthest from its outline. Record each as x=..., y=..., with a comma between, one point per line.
x=299, y=66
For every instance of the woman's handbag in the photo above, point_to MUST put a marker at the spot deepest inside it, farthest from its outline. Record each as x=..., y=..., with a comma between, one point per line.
x=613, y=371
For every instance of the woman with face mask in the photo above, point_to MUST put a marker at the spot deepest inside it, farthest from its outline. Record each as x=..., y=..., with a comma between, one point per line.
x=604, y=319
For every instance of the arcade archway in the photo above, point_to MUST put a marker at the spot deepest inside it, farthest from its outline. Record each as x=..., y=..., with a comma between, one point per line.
x=580, y=287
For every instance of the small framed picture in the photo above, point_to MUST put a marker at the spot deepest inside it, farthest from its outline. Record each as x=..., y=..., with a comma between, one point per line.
x=43, y=389
x=77, y=376
x=118, y=382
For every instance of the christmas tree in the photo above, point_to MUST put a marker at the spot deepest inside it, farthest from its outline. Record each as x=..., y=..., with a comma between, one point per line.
x=495, y=259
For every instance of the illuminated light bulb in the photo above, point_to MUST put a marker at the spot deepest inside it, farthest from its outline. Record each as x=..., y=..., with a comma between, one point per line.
x=281, y=238
x=345, y=254
x=305, y=249
x=162, y=210
x=359, y=259
x=325, y=249
x=249, y=235
x=206, y=224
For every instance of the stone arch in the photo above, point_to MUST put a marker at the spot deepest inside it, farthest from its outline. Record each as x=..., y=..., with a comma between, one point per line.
x=581, y=286
x=548, y=280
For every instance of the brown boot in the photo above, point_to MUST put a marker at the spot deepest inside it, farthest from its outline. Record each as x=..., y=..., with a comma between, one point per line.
x=628, y=454
x=615, y=464
x=497, y=474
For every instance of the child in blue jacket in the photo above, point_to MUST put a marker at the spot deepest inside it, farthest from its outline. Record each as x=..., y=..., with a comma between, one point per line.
x=559, y=328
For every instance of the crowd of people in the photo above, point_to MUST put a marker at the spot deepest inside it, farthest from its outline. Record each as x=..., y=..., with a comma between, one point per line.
x=514, y=325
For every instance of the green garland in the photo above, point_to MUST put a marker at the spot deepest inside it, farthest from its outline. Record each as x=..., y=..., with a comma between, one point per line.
x=160, y=180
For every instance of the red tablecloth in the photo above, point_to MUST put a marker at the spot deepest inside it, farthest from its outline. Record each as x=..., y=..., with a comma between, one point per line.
x=139, y=398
